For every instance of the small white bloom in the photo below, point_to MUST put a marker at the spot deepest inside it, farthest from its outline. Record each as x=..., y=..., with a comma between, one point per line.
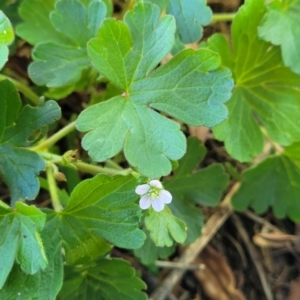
x=153, y=194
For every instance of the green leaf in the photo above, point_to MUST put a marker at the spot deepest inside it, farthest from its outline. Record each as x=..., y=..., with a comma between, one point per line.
x=61, y=59
x=188, y=189
x=20, y=167
x=164, y=227
x=275, y=183
x=293, y=152
x=192, y=87
x=266, y=92
x=280, y=26
x=190, y=17
x=110, y=279
x=21, y=240
x=102, y=207
x=42, y=285
x=149, y=252
x=6, y=38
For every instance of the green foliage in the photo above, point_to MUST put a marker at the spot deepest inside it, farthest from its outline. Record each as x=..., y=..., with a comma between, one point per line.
x=149, y=252
x=192, y=87
x=188, y=188
x=280, y=26
x=110, y=279
x=274, y=182
x=101, y=207
x=20, y=239
x=266, y=92
x=164, y=227
x=20, y=129
x=190, y=17
x=69, y=25
x=6, y=37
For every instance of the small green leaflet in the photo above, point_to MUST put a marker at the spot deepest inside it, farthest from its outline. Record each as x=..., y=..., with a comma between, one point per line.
x=280, y=26
x=164, y=227
x=149, y=252
x=266, y=92
x=20, y=239
x=20, y=167
x=204, y=187
x=190, y=17
x=275, y=182
x=6, y=38
x=61, y=59
x=110, y=279
x=192, y=87
x=101, y=207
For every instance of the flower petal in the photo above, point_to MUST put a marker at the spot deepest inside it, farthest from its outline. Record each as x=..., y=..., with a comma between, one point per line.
x=165, y=196
x=142, y=189
x=157, y=205
x=156, y=183
x=145, y=202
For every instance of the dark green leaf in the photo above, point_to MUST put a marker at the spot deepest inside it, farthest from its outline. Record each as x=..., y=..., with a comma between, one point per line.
x=192, y=87
x=110, y=279
x=102, y=207
x=20, y=167
x=266, y=92
x=275, y=183
x=203, y=187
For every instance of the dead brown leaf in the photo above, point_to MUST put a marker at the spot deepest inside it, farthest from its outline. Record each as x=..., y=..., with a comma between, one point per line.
x=217, y=279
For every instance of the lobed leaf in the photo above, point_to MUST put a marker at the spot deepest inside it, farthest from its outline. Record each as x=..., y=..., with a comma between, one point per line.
x=19, y=167
x=275, y=183
x=110, y=279
x=21, y=240
x=164, y=227
x=266, y=92
x=188, y=188
x=60, y=59
x=280, y=26
x=192, y=87
x=99, y=208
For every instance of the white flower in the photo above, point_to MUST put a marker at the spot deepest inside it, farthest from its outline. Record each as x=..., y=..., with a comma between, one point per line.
x=153, y=194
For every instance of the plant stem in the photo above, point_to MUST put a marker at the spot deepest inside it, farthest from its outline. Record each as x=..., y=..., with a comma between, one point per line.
x=55, y=137
x=223, y=17
x=53, y=188
x=81, y=166
x=25, y=90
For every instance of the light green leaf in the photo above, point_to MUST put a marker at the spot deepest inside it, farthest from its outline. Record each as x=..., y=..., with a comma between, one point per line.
x=20, y=240
x=275, y=183
x=192, y=87
x=6, y=38
x=266, y=92
x=190, y=17
x=20, y=167
x=280, y=26
x=149, y=252
x=110, y=279
x=164, y=227
x=102, y=207
x=60, y=60
x=203, y=187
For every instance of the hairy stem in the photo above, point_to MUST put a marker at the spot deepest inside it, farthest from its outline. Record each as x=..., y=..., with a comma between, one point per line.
x=53, y=188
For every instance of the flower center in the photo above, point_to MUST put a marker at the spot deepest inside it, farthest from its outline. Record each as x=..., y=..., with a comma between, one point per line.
x=154, y=192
